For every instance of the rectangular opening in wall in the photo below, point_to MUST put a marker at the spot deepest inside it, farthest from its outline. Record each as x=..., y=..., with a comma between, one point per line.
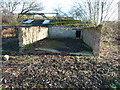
x=78, y=33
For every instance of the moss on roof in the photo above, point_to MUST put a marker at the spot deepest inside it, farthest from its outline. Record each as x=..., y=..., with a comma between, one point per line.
x=66, y=23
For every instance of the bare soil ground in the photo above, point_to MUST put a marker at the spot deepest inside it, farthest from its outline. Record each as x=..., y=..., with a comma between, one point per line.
x=64, y=71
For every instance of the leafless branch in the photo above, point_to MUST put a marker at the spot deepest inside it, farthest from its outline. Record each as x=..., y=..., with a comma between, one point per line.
x=93, y=10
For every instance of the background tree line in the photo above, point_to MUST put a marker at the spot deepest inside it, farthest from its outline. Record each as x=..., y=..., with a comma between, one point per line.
x=8, y=10
x=90, y=12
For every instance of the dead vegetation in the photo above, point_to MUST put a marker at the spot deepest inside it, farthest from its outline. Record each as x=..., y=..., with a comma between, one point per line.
x=64, y=71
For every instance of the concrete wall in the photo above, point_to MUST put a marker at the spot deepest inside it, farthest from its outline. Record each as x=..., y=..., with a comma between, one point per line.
x=92, y=38
x=28, y=35
x=61, y=32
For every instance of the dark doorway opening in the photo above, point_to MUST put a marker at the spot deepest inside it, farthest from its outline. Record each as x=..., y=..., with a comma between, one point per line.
x=78, y=33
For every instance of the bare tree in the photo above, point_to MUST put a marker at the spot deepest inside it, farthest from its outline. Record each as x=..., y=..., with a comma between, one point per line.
x=9, y=8
x=92, y=11
x=60, y=12
x=30, y=6
x=23, y=6
x=7, y=16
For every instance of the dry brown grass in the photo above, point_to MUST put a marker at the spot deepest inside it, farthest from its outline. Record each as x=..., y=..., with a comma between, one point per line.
x=8, y=33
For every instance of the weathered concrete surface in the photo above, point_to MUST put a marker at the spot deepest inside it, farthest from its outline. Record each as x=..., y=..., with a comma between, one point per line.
x=28, y=35
x=92, y=38
x=61, y=32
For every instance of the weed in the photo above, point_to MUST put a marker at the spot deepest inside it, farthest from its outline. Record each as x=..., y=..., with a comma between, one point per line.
x=29, y=46
x=77, y=58
x=115, y=86
x=29, y=59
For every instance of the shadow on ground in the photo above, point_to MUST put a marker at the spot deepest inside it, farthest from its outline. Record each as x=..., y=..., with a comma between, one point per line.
x=48, y=46
x=10, y=45
x=66, y=46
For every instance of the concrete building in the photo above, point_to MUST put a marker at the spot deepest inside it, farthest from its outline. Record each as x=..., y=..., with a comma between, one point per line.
x=40, y=30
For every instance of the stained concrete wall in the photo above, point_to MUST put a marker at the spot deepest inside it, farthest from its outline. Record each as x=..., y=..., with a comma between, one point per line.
x=28, y=35
x=61, y=32
x=92, y=38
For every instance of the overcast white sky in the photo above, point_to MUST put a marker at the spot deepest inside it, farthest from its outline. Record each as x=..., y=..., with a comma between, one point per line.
x=50, y=5
x=66, y=5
